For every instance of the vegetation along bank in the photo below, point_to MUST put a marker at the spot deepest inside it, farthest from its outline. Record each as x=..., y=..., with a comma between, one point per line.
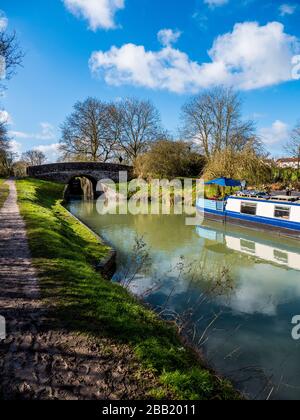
x=66, y=254
x=3, y=192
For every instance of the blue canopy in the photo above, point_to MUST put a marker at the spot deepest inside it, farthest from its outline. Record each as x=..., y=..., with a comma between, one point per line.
x=225, y=182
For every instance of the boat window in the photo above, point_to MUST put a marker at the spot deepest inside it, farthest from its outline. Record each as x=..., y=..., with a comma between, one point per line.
x=282, y=212
x=281, y=256
x=249, y=208
x=248, y=246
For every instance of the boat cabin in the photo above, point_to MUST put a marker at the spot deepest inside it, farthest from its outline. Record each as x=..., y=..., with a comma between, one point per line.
x=278, y=213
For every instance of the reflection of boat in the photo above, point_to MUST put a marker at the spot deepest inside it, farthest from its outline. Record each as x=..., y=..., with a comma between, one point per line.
x=287, y=255
x=279, y=214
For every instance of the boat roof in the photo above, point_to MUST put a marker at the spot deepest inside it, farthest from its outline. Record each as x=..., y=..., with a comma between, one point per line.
x=277, y=199
x=292, y=198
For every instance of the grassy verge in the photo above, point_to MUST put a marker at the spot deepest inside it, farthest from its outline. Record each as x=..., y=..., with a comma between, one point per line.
x=65, y=253
x=4, y=190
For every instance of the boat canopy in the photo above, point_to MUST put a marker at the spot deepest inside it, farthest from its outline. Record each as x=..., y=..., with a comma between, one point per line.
x=225, y=182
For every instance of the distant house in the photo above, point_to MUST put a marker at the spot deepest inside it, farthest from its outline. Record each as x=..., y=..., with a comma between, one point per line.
x=288, y=163
x=269, y=162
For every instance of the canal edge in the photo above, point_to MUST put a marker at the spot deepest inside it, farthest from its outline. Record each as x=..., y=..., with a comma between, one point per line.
x=107, y=265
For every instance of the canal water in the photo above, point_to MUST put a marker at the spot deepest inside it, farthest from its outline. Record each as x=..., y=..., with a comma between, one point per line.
x=233, y=290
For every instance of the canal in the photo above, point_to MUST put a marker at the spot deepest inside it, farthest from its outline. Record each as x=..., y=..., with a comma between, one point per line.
x=233, y=291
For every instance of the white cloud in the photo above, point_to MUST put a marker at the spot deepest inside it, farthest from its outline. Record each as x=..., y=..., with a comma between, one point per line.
x=287, y=9
x=249, y=57
x=19, y=142
x=15, y=147
x=278, y=133
x=19, y=134
x=5, y=117
x=99, y=13
x=3, y=21
x=47, y=132
x=51, y=151
x=215, y=3
x=167, y=37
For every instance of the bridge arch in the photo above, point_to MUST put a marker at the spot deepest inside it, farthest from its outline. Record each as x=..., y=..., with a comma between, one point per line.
x=80, y=175
x=81, y=186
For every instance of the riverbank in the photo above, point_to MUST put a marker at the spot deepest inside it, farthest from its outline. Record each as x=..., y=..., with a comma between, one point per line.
x=65, y=255
x=3, y=192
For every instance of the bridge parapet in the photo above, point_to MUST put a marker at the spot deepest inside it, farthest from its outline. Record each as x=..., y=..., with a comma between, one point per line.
x=64, y=172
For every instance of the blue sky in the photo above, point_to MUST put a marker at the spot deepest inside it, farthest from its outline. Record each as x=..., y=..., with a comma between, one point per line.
x=111, y=49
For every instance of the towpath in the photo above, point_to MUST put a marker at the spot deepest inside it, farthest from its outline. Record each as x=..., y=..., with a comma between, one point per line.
x=41, y=360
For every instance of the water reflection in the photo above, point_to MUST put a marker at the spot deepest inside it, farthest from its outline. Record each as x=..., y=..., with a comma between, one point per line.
x=259, y=293
x=244, y=242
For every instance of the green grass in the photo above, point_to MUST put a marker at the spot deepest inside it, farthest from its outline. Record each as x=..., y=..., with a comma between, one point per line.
x=65, y=253
x=4, y=190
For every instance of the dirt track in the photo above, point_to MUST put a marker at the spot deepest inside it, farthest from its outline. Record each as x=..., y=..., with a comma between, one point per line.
x=40, y=360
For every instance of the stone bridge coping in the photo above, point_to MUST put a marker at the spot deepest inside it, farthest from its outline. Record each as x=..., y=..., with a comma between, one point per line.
x=93, y=171
x=79, y=167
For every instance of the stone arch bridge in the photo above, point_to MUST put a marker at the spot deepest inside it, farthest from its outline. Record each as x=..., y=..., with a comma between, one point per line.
x=80, y=178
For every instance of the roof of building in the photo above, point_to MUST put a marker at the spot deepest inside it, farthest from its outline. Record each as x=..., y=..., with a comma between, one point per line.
x=289, y=160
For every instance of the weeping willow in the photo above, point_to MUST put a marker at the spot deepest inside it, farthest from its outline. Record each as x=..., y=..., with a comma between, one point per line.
x=246, y=164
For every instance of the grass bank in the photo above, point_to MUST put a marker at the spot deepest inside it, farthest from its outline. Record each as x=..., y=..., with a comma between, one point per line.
x=66, y=253
x=4, y=190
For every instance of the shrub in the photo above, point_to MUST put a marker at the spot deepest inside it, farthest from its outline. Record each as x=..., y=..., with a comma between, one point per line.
x=169, y=159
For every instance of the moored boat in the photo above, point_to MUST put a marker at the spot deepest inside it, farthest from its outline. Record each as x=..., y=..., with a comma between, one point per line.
x=280, y=214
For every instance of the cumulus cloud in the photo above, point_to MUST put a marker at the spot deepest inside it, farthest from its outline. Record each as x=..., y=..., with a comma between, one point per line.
x=215, y=3
x=167, y=37
x=278, y=133
x=15, y=147
x=5, y=117
x=3, y=21
x=287, y=9
x=249, y=57
x=99, y=13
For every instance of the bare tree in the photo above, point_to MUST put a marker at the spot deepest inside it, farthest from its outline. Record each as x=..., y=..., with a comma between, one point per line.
x=10, y=54
x=33, y=158
x=90, y=132
x=7, y=159
x=140, y=125
x=3, y=135
x=293, y=146
x=214, y=121
x=4, y=148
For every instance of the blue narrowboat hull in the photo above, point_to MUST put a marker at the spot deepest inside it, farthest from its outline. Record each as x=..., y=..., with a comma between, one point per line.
x=281, y=227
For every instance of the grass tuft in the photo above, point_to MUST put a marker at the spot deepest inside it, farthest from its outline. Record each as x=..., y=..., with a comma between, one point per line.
x=4, y=191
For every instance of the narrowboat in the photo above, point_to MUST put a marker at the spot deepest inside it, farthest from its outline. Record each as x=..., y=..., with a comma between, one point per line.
x=280, y=214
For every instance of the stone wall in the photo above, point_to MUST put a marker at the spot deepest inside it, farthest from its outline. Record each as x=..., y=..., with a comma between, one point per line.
x=64, y=172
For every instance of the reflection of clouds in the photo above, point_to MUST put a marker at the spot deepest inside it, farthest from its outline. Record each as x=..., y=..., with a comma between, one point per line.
x=250, y=299
x=264, y=291
x=165, y=274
